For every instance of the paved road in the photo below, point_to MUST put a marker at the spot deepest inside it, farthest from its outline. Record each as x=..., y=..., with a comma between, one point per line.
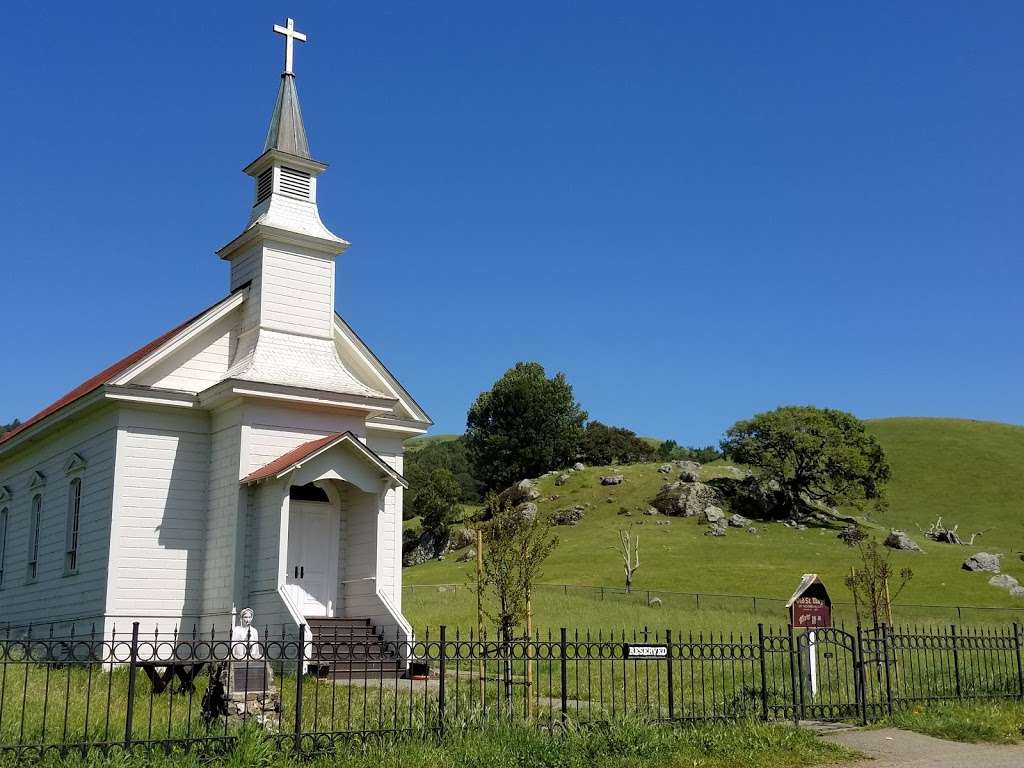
x=893, y=748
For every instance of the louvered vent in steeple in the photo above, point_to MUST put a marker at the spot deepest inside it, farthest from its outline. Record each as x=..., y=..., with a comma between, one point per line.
x=295, y=183
x=264, y=185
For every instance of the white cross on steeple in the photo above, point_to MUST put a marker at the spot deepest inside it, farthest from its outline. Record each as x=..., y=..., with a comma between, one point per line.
x=290, y=35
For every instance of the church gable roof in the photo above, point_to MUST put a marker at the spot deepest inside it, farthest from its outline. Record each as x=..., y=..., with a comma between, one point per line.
x=363, y=363
x=115, y=371
x=297, y=456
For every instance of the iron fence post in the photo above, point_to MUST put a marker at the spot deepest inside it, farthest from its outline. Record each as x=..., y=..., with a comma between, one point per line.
x=764, y=672
x=794, y=678
x=888, y=681
x=563, y=644
x=862, y=695
x=440, y=681
x=670, y=677
x=956, y=658
x=299, y=674
x=1020, y=666
x=129, y=715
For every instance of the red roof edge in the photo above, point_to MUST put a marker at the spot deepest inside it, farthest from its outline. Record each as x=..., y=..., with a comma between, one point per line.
x=106, y=375
x=293, y=456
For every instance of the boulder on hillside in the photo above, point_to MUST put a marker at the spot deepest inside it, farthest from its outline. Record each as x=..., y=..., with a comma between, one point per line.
x=562, y=479
x=665, y=469
x=651, y=511
x=526, y=490
x=738, y=521
x=984, y=562
x=527, y=511
x=578, y=466
x=467, y=556
x=461, y=537
x=712, y=515
x=1004, y=581
x=690, y=475
x=686, y=464
x=749, y=496
x=899, y=540
x=683, y=499
x=420, y=550
x=612, y=479
x=569, y=515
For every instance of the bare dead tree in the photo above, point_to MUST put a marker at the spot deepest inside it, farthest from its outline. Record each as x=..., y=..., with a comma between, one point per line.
x=939, y=532
x=870, y=582
x=629, y=549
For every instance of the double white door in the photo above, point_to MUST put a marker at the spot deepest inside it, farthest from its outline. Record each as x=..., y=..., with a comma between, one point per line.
x=312, y=577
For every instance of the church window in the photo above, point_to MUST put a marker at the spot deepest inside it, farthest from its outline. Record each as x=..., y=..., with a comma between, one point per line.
x=34, y=524
x=295, y=183
x=3, y=542
x=264, y=185
x=74, y=508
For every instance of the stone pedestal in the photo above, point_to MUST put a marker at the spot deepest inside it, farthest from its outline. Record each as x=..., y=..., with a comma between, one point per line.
x=251, y=695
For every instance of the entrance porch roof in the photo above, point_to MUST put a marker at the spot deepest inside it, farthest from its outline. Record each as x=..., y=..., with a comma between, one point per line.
x=306, y=452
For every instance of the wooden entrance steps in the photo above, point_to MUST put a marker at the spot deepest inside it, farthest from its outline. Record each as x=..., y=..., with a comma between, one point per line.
x=345, y=648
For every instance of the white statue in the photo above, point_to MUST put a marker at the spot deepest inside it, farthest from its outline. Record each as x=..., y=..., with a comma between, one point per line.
x=245, y=638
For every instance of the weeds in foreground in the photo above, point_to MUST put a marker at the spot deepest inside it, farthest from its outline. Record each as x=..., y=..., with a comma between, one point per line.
x=620, y=745
x=999, y=722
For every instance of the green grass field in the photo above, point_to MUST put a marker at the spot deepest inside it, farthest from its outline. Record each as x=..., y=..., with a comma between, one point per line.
x=968, y=472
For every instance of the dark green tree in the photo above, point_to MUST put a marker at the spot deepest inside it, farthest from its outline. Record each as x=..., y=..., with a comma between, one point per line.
x=603, y=444
x=525, y=425
x=5, y=428
x=668, y=450
x=811, y=459
x=444, y=454
x=436, y=501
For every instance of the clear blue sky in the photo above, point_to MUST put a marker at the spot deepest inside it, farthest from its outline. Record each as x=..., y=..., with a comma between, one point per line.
x=697, y=211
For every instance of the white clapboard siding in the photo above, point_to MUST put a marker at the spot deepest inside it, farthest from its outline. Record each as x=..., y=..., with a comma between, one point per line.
x=222, y=514
x=359, y=561
x=54, y=596
x=161, y=522
x=275, y=430
x=390, y=448
x=297, y=293
x=200, y=364
x=245, y=268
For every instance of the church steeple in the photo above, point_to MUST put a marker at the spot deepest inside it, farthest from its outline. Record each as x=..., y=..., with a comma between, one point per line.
x=285, y=251
x=287, y=133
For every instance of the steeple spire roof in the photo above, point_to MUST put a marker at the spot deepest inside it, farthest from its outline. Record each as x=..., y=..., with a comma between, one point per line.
x=287, y=133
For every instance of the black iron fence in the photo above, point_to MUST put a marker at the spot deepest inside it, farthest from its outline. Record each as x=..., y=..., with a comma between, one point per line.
x=312, y=689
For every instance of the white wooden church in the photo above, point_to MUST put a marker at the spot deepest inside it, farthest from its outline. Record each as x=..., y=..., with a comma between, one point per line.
x=251, y=456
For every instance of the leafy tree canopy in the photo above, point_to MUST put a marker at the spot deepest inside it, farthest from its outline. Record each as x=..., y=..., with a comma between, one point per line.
x=609, y=445
x=670, y=450
x=524, y=426
x=450, y=455
x=811, y=457
x=436, y=501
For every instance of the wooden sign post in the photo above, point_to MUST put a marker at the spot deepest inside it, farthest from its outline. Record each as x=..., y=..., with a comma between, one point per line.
x=810, y=608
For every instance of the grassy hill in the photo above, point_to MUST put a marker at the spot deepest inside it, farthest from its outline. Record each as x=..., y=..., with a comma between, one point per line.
x=968, y=472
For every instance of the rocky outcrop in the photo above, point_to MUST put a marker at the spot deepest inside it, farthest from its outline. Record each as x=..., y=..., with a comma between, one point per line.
x=423, y=548
x=461, y=537
x=562, y=479
x=738, y=521
x=665, y=469
x=568, y=515
x=528, y=511
x=612, y=479
x=525, y=490
x=683, y=499
x=578, y=466
x=984, y=562
x=899, y=540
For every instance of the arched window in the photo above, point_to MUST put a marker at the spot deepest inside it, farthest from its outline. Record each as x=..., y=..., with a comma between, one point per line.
x=71, y=537
x=35, y=522
x=3, y=542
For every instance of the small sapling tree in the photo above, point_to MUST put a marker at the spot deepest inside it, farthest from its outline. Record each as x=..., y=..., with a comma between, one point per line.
x=515, y=548
x=869, y=583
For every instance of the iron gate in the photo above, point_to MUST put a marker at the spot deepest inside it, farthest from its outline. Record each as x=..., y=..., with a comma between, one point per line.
x=829, y=675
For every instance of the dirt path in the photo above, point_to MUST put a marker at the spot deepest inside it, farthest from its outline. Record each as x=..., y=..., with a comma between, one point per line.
x=893, y=748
